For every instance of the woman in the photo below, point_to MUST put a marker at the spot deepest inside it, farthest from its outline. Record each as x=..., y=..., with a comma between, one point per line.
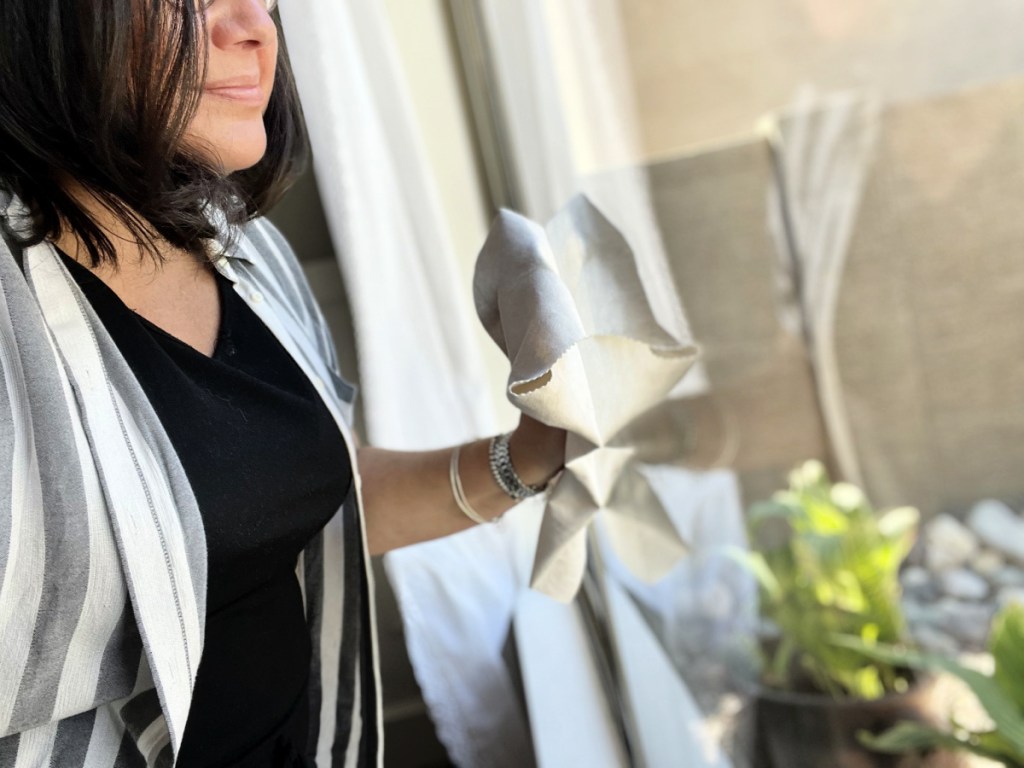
x=185, y=512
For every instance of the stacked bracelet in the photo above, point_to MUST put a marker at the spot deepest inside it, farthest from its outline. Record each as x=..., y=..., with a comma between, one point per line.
x=505, y=474
x=460, y=495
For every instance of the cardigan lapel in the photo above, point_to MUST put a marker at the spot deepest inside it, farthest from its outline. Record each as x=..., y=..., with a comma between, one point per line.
x=152, y=509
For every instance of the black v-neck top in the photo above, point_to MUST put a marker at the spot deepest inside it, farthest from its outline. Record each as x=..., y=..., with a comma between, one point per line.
x=268, y=467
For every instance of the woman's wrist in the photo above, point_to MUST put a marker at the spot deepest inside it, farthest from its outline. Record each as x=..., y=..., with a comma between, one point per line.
x=537, y=450
x=468, y=468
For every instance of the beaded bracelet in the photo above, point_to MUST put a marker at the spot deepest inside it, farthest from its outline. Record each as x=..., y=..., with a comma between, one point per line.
x=505, y=474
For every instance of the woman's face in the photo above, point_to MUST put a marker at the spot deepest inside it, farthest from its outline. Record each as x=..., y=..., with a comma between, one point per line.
x=242, y=52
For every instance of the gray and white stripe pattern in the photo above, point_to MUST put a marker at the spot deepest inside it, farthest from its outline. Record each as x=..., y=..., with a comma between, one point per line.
x=102, y=554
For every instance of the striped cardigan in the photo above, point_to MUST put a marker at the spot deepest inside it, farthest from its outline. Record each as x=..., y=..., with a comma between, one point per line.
x=102, y=554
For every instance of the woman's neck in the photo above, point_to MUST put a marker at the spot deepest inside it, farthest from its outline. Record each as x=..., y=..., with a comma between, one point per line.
x=130, y=254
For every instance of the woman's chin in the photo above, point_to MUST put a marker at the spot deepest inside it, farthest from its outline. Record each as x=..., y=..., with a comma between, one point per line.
x=242, y=163
x=235, y=148
x=240, y=156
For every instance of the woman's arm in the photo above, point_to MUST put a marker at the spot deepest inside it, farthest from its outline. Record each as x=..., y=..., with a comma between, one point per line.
x=407, y=495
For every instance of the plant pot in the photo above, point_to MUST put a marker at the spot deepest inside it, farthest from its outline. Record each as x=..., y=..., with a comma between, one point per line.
x=810, y=730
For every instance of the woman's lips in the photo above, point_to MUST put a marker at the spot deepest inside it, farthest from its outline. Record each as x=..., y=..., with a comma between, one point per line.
x=242, y=93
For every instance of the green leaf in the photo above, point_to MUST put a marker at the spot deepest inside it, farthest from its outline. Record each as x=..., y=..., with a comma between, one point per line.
x=868, y=683
x=993, y=745
x=850, y=595
x=916, y=737
x=1005, y=713
x=835, y=573
x=1006, y=643
x=779, y=668
x=907, y=737
x=823, y=517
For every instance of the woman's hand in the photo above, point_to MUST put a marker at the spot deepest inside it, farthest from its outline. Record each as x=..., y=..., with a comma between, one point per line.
x=537, y=450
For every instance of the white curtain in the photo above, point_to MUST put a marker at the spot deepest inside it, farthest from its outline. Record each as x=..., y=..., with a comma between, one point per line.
x=422, y=380
x=386, y=223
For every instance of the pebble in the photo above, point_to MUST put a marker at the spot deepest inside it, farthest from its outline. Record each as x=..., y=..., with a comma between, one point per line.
x=948, y=544
x=967, y=621
x=963, y=584
x=935, y=640
x=919, y=585
x=925, y=595
x=987, y=562
x=915, y=577
x=961, y=575
x=1009, y=595
x=999, y=527
x=1008, y=576
x=921, y=613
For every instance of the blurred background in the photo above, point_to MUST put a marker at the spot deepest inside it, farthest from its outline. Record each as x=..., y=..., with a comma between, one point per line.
x=833, y=191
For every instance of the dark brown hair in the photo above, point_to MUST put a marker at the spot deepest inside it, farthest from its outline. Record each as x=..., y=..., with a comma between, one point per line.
x=102, y=92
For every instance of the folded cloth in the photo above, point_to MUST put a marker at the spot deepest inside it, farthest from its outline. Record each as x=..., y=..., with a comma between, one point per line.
x=567, y=306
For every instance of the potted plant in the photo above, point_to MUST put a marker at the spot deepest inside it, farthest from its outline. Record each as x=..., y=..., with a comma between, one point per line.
x=1001, y=694
x=828, y=566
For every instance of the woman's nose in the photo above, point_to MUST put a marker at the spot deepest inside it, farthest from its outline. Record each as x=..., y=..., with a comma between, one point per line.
x=241, y=22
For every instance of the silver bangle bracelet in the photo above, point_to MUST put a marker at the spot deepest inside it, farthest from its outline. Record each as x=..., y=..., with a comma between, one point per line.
x=505, y=474
x=460, y=495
